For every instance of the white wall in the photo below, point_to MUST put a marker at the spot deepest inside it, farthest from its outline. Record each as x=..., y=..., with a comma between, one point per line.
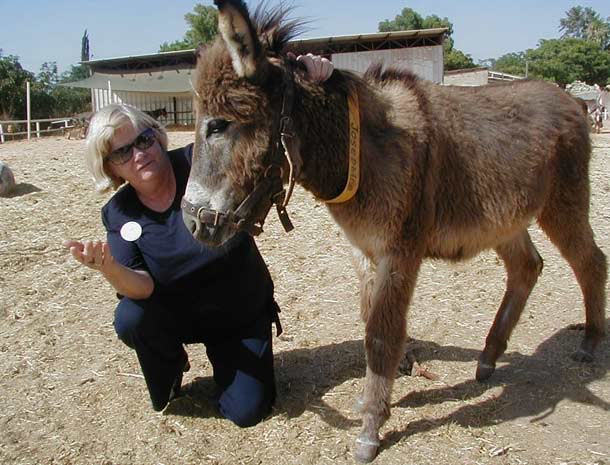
x=148, y=101
x=426, y=62
x=477, y=77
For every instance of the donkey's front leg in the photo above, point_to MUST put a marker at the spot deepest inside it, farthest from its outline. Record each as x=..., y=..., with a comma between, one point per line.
x=365, y=269
x=384, y=343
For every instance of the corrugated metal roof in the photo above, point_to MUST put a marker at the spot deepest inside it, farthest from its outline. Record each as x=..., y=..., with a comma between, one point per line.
x=183, y=59
x=373, y=37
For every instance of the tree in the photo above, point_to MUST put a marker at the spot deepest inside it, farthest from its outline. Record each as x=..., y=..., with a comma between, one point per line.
x=567, y=60
x=84, y=49
x=510, y=63
x=12, y=87
x=598, y=32
x=576, y=22
x=409, y=19
x=203, y=27
x=585, y=23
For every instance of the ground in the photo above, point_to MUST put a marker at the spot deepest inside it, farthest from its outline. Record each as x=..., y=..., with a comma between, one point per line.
x=71, y=393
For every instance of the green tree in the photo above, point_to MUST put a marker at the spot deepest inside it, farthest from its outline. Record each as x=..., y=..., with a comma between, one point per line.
x=84, y=49
x=12, y=87
x=510, y=63
x=598, y=32
x=585, y=23
x=409, y=19
x=567, y=60
x=203, y=27
x=576, y=22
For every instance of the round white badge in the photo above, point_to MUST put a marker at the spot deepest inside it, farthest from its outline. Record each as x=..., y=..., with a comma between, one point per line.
x=131, y=231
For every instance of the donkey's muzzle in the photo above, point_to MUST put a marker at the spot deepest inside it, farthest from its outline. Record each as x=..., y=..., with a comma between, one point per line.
x=208, y=233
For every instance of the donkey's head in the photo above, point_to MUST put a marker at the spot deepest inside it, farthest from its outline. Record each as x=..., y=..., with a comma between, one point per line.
x=239, y=84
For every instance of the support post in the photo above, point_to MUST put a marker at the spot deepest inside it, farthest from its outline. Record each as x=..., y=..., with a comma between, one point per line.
x=27, y=99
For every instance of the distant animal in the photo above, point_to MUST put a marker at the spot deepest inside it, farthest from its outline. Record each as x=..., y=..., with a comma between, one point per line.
x=76, y=132
x=158, y=113
x=7, y=180
x=583, y=105
x=410, y=170
x=597, y=120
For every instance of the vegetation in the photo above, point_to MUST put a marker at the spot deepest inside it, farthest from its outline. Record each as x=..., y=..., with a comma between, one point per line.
x=409, y=19
x=48, y=98
x=582, y=53
x=203, y=27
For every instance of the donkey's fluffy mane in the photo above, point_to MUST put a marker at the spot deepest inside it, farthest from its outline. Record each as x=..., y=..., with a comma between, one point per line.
x=274, y=28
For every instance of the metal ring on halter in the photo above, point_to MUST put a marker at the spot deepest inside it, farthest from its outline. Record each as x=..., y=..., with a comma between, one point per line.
x=271, y=167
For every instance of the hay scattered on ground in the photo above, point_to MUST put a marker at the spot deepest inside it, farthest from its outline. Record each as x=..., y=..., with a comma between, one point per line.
x=73, y=394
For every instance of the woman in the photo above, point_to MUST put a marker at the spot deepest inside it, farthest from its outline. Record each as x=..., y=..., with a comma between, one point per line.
x=172, y=289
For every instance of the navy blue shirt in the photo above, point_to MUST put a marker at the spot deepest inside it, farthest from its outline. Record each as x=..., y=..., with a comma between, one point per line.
x=183, y=269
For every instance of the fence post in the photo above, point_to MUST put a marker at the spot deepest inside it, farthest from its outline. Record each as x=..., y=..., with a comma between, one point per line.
x=1, y=135
x=27, y=92
x=38, y=129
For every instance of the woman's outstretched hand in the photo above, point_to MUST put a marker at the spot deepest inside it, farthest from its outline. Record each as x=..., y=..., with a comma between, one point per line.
x=93, y=254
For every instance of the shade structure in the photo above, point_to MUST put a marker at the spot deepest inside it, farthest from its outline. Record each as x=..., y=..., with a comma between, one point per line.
x=170, y=81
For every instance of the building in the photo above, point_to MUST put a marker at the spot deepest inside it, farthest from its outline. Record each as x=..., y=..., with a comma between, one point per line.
x=163, y=80
x=476, y=77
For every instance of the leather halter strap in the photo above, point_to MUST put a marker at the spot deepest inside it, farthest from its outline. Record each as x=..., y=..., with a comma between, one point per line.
x=269, y=190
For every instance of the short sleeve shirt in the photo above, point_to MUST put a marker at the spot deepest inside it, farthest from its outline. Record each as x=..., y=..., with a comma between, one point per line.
x=161, y=244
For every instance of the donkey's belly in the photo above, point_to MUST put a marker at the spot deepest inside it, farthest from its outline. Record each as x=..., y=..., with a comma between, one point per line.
x=462, y=245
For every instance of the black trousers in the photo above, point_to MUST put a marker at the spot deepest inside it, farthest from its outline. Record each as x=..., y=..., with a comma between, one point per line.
x=229, y=307
x=242, y=358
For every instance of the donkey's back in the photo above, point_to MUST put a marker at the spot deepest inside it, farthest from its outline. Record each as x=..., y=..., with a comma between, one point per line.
x=498, y=157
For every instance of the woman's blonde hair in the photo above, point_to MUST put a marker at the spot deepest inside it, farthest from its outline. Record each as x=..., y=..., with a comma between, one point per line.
x=102, y=129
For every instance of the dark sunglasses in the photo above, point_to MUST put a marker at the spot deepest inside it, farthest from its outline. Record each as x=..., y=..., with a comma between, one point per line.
x=123, y=154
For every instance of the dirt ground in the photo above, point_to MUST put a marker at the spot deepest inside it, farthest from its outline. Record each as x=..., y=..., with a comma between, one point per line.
x=71, y=393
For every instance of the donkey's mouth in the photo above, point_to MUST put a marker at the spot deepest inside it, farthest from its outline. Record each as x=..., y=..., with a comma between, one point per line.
x=209, y=235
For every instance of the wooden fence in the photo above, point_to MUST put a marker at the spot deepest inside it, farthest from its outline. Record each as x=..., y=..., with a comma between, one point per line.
x=12, y=129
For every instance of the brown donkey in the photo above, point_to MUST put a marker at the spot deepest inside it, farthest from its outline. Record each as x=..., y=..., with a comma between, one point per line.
x=444, y=173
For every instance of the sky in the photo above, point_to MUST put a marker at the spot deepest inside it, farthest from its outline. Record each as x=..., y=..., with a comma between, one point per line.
x=40, y=31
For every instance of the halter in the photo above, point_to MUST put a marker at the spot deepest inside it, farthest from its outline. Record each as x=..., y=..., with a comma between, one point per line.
x=269, y=189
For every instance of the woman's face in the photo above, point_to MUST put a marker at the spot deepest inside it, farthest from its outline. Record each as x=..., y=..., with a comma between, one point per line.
x=144, y=165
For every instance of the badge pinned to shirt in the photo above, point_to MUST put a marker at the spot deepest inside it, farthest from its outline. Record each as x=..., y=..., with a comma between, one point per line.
x=131, y=231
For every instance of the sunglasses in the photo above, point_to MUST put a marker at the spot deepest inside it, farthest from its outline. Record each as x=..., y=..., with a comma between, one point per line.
x=123, y=154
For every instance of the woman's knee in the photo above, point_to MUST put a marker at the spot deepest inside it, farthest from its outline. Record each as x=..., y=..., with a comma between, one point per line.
x=129, y=319
x=243, y=409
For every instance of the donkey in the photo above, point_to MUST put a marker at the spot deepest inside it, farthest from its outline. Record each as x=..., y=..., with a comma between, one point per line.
x=158, y=113
x=443, y=173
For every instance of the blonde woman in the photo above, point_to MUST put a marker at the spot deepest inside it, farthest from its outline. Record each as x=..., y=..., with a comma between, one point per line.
x=173, y=290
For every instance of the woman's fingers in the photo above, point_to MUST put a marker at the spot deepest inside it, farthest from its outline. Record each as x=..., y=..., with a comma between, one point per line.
x=98, y=257
x=327, y=69
x=318, y=69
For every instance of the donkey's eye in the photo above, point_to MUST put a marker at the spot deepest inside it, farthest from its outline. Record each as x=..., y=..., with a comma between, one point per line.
x=216, y=126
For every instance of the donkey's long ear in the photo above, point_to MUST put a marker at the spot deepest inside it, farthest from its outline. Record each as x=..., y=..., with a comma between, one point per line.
x=239, y=35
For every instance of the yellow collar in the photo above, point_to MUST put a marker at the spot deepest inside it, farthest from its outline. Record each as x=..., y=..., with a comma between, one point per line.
x=353, y=175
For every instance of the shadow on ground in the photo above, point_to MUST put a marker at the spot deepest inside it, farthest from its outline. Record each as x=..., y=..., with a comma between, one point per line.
x=23, y=188
x=532, y=385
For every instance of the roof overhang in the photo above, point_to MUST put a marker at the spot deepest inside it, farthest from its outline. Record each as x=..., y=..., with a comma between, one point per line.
x=169, y=81
x=186, y=59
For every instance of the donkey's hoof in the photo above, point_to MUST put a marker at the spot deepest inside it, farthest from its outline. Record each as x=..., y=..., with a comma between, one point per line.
x=484, y=371
x=366, y=450
x=582, y=356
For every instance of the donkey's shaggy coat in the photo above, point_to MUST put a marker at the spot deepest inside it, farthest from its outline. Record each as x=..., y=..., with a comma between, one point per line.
x=445, y=173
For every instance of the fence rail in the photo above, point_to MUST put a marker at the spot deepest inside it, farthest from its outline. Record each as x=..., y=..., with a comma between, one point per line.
x=64, y=122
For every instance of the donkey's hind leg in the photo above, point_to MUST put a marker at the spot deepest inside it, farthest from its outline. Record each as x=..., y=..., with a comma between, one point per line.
x=384, y=344
x=523, y=266
x=573, y=236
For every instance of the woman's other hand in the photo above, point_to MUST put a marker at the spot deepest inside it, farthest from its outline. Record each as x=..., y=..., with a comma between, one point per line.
x=319, y=69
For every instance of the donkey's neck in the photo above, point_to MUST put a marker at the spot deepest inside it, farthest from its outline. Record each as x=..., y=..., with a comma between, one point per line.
x=321, y=122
